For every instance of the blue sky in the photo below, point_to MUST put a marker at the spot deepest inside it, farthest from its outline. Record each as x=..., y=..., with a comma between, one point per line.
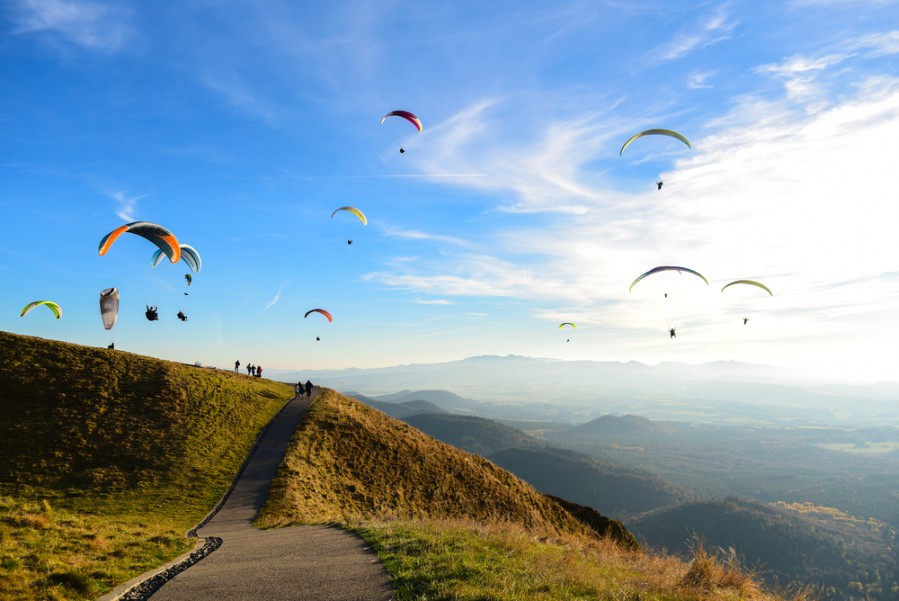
x=241, y=126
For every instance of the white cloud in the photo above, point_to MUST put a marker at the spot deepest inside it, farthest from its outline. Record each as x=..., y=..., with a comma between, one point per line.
x=419, y=235
x=700, y=79
x=274, y=300
x=90, y=25
x=714, y=29
x=127, y=205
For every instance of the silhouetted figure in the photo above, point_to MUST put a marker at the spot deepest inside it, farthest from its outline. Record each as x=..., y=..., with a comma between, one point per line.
x=672, y=332
x=659, y=184
x=111, y=345
x=298, y=390
x=317, y=338
x=253, y=370
x=349, y=241
x=402, y=150
x=308, y=389
x=236, y=366
x=258, y=371
x=249, y=369
x=745, y=319
x=152, y=313
x=666, y=295
x=182, y=316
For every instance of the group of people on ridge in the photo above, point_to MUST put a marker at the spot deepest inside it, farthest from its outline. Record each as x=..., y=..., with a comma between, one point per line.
x=252, y=370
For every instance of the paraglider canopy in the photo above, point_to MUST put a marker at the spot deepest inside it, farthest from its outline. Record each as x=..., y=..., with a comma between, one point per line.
x=749, y=283
x=156, y=234
x=667, y=268
x=322, y=311
x=655, y=132
x=567, y=323
x=405, y=115
x=109, y=307
x=354, y=211
x=57, y=311
x=188, y=253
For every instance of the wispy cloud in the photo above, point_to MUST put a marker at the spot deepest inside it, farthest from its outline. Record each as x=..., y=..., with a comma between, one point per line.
x=90, y=25
x=127, y=205
x=436, y=301
x=540, y=164
x=711, y=30
x=274, y=300
x=404, y=234
x=700, y=79
x=242, y=96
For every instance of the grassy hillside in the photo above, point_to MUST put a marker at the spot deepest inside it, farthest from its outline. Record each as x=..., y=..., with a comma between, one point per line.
x=451, y=525
x=348, y=460
x=107, y=458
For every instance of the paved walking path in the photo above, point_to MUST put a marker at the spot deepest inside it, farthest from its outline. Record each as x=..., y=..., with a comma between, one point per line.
x=318, y=563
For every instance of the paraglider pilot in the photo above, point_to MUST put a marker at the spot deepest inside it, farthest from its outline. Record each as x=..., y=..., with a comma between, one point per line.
x=659, y=184
x=152, y=314
x=672, y=332
x=182, y=316
x=745, y=319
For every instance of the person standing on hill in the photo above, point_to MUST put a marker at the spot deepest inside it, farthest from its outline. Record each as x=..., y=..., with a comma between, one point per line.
x=236, y=365
x=249, y=369
x=308, y=389
x=258, y=371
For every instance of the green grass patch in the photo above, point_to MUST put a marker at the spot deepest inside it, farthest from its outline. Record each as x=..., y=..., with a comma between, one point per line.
x=444, y=560
x=108, y=458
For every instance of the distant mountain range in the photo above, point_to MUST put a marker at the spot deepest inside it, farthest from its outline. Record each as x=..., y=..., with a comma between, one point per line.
x=577, y=391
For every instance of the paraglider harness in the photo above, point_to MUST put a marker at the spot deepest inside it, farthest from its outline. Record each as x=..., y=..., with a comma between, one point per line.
x=152, y=314
x=182, y=316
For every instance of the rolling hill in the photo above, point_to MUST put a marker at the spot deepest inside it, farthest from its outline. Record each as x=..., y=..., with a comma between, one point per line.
x=783, y=546
x=473, y=434
x=612, y=490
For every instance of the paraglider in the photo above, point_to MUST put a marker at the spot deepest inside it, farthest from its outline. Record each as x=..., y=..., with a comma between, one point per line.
x=322, y=311
x=667, y=268
x=156, y=234
x=182, y=316
x=56, y=309
x=152, y=313
x=408, y=117
x=567, y=323
x=109, y=307
x=655, y=132
x=355, y=212
x=748, y=283
x=672, y=332
x=659, y=184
